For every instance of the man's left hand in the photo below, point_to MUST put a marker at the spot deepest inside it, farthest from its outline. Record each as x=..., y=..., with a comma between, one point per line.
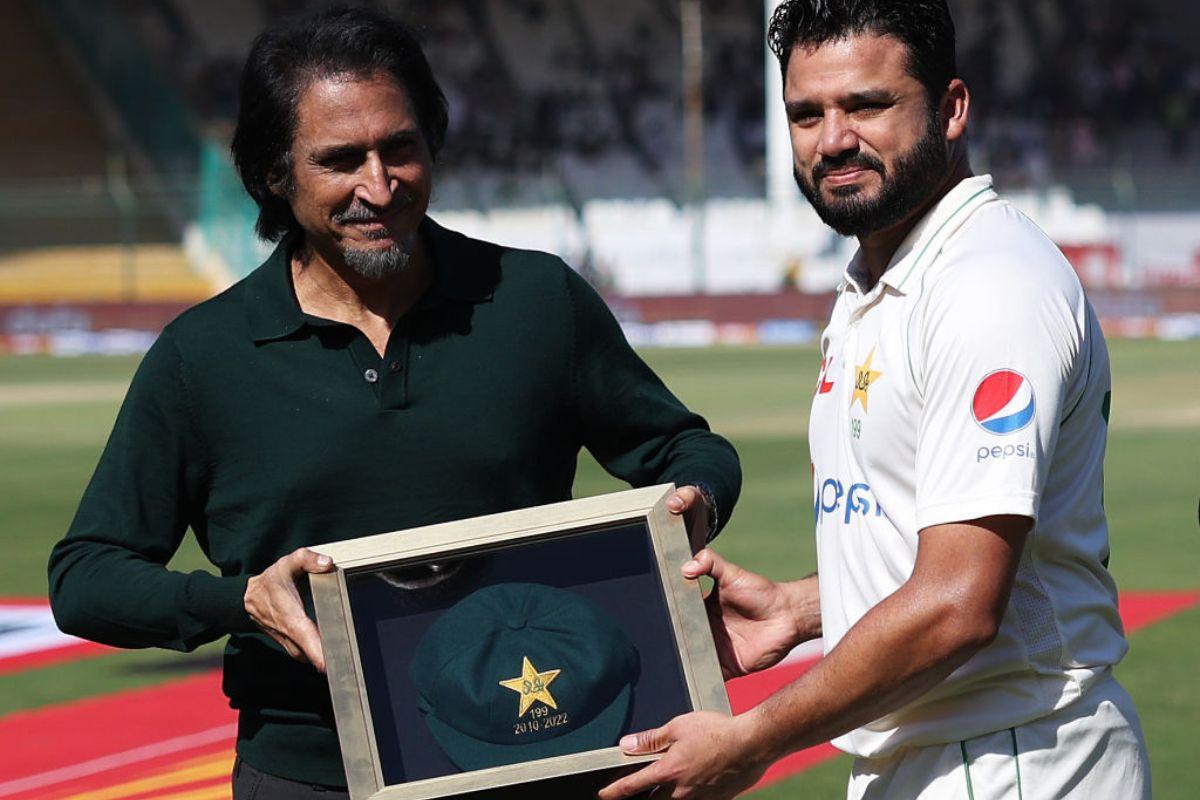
x=689, y=502
x=708, y=757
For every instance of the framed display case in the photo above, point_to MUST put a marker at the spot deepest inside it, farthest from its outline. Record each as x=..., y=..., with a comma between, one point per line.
x=512, y=649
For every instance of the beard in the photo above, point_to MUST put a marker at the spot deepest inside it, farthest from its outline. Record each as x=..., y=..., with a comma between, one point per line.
x=377, y=263
x=914, y=178
x=374, y=263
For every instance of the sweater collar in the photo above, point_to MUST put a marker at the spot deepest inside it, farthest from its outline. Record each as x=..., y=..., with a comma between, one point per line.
x=460, y=275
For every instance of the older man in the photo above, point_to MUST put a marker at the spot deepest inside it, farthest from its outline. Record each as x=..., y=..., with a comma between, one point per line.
x=377, y=372
x=957, y=442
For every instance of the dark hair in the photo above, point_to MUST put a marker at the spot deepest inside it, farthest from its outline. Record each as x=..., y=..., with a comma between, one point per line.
x=285, y=60
x=923, y=26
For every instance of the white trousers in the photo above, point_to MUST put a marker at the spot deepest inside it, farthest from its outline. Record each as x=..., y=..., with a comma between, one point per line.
x=1093, y=749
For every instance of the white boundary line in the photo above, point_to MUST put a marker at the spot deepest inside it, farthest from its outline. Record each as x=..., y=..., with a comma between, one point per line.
x=144, y=753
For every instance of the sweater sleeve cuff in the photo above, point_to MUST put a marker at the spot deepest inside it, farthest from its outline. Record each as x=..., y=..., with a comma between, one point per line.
x=218, y=603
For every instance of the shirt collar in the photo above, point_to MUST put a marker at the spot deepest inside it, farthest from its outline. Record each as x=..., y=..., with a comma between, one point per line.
x=465, y=270
x=271, y=306
x=927, y=235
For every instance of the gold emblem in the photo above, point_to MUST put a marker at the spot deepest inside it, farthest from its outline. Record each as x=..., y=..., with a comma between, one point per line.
x=864, y=376
x=532, y=685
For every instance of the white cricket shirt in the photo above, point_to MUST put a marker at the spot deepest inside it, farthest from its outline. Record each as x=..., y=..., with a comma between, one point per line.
x=971, y=380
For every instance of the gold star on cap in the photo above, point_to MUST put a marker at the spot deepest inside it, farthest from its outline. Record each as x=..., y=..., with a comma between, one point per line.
x=864, y=376
x=532, y=685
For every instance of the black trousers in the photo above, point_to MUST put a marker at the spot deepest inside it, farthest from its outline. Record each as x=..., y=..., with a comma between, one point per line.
x=252, y=784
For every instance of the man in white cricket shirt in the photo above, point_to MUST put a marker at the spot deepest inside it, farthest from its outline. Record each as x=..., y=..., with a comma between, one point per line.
x=957, y=438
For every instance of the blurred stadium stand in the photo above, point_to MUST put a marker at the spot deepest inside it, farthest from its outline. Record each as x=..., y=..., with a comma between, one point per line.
x=566, y=134
x=79, y=221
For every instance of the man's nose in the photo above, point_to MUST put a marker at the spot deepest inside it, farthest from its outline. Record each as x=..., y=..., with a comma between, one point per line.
x=376, y=187
x=837, y=136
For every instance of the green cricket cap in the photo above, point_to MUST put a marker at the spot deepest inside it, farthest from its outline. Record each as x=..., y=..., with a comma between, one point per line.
x=521, y=671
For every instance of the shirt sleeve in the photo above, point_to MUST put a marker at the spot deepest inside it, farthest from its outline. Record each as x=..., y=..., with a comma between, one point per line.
x=108, y=576
x=631, y=423
x=993, y=354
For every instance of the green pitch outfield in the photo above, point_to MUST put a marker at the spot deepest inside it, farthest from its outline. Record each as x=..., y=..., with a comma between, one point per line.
x=55, y=414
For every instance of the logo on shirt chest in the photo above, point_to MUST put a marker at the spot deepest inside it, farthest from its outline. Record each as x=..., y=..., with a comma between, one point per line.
x=864, y=377
x=824, y=386
x=843, y=501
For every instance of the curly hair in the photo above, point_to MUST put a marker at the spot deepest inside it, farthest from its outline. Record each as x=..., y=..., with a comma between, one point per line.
x=285, y=60
x=923, y=26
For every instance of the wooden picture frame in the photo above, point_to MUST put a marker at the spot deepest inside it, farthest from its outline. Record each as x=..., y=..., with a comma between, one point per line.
x=368, y=697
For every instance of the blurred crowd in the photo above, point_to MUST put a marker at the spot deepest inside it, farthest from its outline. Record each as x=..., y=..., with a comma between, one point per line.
x=1057, y=83
x=1100, y=79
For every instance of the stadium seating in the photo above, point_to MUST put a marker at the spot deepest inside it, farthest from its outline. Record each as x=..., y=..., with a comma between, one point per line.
x=98, y=274
x=566, y=132
x=50, y=130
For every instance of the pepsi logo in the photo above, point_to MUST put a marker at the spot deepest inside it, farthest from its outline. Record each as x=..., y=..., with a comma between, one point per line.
x=1003, y=402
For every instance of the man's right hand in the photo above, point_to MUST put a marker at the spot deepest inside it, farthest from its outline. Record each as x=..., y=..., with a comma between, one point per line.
x=273, y=602
x=753, y=622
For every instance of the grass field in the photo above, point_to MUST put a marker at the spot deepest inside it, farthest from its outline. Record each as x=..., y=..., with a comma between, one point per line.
x=55, y=414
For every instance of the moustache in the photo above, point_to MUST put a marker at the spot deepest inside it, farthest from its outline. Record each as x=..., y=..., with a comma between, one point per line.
x=361, y=212
x=860, y=161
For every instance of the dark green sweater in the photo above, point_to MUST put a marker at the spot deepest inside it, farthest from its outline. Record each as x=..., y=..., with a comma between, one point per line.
x=264, y=429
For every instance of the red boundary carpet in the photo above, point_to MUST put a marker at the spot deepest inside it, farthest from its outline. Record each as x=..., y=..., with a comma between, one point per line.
x=175, y=741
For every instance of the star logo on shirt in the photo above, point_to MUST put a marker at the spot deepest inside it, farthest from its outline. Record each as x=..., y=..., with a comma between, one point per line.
x=532, y=686
x=864, y=376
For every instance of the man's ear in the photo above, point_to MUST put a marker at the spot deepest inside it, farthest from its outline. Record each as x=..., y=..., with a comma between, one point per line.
x=956, y=110
x=279, y=181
